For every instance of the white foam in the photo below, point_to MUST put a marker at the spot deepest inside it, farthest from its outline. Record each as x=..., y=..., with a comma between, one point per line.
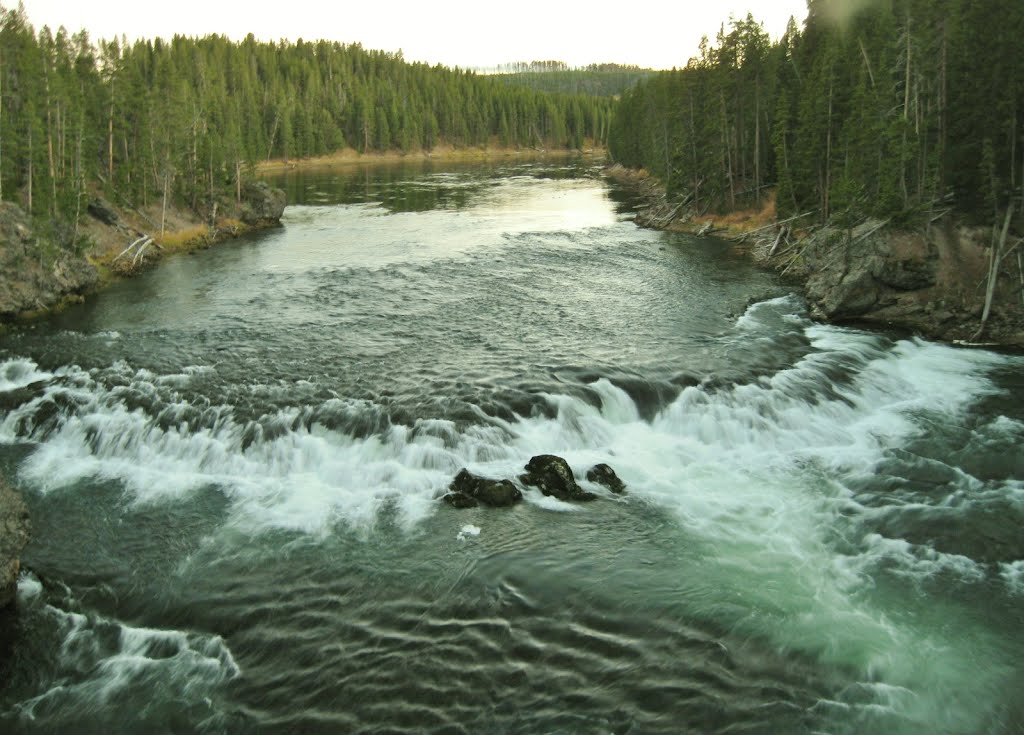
x=29, y=588
x=1013, y=576
x=468, y=530
x=18, y=373
x=165, y=661
x=754, y=473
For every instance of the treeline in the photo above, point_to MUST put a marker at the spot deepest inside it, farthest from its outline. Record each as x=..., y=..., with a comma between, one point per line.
x=881, y=108
x=557, y=77
x=189, y=117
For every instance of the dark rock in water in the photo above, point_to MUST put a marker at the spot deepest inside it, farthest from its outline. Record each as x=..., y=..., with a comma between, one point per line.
x=14, y=528
x=602, y=474
x=12, y=399
x=553, y=476
x=460, y=500
x=262, y=203
x=468, y=490
x=102, y=210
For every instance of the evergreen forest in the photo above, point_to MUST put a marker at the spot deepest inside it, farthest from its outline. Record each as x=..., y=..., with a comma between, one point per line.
x=191, y=116
x=606, y=80
x=883, y=108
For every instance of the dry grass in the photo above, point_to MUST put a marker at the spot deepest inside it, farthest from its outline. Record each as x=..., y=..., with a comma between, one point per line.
x=184, y=239
x=744, y=220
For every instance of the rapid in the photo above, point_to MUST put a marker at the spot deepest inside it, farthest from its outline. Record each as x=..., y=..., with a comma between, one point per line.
x=234, y=465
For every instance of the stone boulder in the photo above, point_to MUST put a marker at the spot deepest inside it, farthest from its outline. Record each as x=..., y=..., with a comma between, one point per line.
x=14, y=529
x=602, y=474
x=102, y=210
x=553, y=476
x=468, y=490
x=262, y=204
x=852, y=274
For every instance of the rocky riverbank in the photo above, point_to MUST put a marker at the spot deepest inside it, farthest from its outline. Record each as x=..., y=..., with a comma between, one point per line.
x=114, y=241
x=14, y=530
x=929, y=281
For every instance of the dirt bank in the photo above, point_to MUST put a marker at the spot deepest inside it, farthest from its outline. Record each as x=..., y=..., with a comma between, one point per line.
x=929, y=281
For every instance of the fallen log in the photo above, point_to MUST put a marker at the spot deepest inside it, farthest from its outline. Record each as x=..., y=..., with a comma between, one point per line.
x=776, y=224
x=775, y=245
x=132, y=245
x=872, y=231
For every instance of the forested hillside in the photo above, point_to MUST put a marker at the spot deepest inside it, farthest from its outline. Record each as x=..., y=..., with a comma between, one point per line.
x=190, y=116
x=606, y=80
x=882, y=108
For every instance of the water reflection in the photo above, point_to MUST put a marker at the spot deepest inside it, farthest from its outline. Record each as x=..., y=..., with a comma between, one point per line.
x=418, y=185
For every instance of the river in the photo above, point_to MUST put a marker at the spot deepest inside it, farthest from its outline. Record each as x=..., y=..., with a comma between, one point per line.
x=234, y=463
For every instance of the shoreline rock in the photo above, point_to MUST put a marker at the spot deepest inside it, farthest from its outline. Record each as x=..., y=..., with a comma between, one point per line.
x=31, y=279
x=923, y=281
x=14, y=535
x=38, y=276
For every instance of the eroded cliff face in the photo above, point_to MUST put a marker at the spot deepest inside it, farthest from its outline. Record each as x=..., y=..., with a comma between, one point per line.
x=931, y=281
x=14, y=534
x=34, y=277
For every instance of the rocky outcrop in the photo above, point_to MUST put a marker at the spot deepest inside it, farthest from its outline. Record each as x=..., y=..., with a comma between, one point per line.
x=102, y=210
x=468, y=491
x=925, y=281
x=929, y=280
x=602, y=474
x=262, y=204
x=14, y=529
x=553, y=476
x=32, y=275
x=849, y=274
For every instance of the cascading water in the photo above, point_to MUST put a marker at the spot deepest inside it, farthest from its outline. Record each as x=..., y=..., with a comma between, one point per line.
x=234, y=465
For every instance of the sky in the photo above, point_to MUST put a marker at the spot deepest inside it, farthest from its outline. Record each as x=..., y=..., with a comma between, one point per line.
x=469, y=34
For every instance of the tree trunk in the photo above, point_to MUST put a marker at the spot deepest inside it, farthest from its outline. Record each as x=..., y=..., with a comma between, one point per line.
x=49, y=143
x=163, y=209
x=110, y=136
x=943, y=112
x=828, y=158
x=1, y=125
x=30, y=156
x=993, y=270
x=757, y=138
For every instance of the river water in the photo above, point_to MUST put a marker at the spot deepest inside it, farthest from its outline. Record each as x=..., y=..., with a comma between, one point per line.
x=234, y=462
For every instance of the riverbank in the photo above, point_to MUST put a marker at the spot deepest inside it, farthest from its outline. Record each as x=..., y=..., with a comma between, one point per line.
x=929, y=281
x=14, y=533
x=441, y=154
x=116, y=241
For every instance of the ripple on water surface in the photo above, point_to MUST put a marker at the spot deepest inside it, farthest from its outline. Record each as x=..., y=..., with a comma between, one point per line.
x=238, y=484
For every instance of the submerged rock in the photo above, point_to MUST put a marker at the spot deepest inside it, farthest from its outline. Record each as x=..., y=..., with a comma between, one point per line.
x=553, y=476
x=468, y=490
x=14, y=528
x=602, y=474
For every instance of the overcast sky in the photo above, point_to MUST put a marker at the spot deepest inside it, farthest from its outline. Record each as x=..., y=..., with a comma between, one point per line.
x=653, y=34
